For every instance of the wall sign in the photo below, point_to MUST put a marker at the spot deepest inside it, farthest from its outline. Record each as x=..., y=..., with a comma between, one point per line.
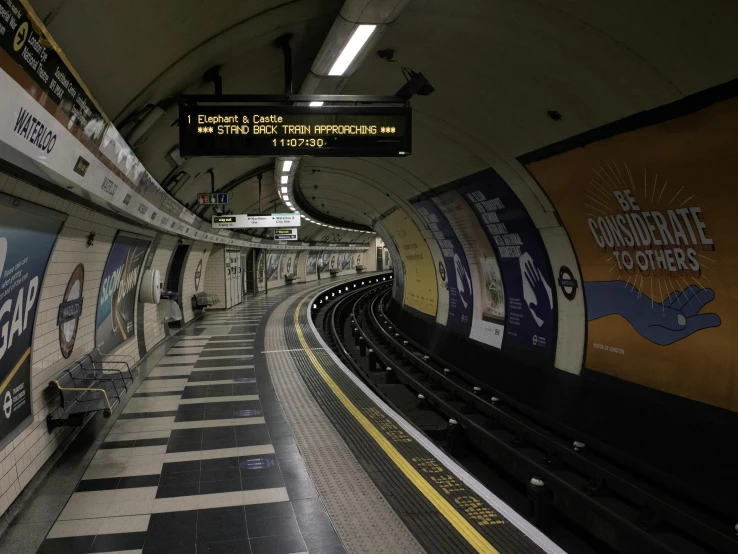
x=209, y=198
x=245, y=221
x=238, y=130
x=567, y=282
x=285, y=234
x=70, y=310
x=117, y=298
x=22, y=271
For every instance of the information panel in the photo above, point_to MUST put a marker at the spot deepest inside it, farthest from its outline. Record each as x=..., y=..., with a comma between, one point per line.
x=285, y=234
x=238, y=130
x=212, y=198
x=245, y=221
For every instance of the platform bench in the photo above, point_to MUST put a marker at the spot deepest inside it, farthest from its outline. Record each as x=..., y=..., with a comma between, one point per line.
x=93, y=383
x=359, y=268
x=202, y=300
x=290, y=278
x=334, y=272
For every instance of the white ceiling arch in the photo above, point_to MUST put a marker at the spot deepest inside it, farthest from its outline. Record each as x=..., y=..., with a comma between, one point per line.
x=497, y=66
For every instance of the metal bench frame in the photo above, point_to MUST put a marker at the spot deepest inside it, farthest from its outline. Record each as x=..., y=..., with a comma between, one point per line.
x=202, y=300
x=89, y=375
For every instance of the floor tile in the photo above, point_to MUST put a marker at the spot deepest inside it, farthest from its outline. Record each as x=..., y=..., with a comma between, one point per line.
x=277, y=545
x=221, y=524
x=168, y=530
x=274, y=527
x=66, y=544
x=225, y=547
x=119, y=542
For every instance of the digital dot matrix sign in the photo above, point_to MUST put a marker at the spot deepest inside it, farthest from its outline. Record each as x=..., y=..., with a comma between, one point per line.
x=239, y=130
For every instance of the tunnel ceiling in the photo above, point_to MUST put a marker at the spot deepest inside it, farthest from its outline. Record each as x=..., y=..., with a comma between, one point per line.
x=498, y=67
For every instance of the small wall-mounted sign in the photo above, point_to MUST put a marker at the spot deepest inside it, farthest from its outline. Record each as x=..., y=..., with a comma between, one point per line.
x=212, y=198
x=567, y=282
x=285, y=234
x=70, y=310
x=80, y=168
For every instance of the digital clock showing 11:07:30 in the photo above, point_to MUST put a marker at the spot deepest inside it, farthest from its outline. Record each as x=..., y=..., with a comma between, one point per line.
x=273, y=130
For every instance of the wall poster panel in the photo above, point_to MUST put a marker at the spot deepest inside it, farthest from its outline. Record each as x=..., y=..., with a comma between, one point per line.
x=116, y=302
x=650, y=213
x=27, y=237
x=521, y=255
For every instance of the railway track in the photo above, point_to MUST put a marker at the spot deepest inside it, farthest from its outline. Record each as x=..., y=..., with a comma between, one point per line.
x=583, y=495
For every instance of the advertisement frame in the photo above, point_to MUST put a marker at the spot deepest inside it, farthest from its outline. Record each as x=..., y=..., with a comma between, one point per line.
x=136, y=286
x=43, y=211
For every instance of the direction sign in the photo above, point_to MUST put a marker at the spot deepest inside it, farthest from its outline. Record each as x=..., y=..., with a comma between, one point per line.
x=285, y=234
x=245, y=221
x=212, y=198
x=221, y=129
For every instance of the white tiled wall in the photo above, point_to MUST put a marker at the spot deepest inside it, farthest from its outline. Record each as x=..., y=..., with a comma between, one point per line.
x=215, y=276
x=154, y=313
x=369, y=257
x=198, y=251
x=25, y=455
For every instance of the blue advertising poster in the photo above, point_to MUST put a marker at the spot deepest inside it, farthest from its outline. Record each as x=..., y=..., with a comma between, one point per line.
x=526, y=273
x=454, y=270
x=116, y=302
x=27, y=237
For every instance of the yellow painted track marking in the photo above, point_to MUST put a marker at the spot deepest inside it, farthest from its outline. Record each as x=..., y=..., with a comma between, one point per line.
x=464, y=528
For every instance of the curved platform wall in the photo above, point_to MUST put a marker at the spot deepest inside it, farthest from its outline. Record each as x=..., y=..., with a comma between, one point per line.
x=645, y=204
x=30, y=447
x=193, y=277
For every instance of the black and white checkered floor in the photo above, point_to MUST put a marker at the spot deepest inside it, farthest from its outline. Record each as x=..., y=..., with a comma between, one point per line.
x=201, y=459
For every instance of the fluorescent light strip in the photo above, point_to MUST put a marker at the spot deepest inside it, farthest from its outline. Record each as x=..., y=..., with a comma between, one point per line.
x=286, y=165
x=285, y=179
x=351, y=50
x=284, y=190
x=316, y=104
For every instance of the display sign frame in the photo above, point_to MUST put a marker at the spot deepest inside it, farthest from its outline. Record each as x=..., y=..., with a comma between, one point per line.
x=22, y=280
x=312, y=131
x=212, y=198
x=289, y=233
x=260, y=221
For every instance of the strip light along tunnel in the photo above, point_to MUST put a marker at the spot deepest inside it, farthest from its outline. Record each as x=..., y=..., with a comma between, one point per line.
x=233, y=130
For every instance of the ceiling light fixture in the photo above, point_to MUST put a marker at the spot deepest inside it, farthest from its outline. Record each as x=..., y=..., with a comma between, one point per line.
x=285, y=179
x=284, y=190
x=354, y=45
x=286, y=165
x=316, y=104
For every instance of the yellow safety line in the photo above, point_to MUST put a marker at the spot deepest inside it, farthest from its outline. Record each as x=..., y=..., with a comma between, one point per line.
x=6, y=382
x=459, y=522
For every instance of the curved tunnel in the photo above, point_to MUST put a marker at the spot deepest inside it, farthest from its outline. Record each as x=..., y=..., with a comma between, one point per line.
x=560, y=231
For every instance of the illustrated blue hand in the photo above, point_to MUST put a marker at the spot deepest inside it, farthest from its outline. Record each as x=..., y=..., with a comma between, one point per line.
x=664, y=323
x=541, y=307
